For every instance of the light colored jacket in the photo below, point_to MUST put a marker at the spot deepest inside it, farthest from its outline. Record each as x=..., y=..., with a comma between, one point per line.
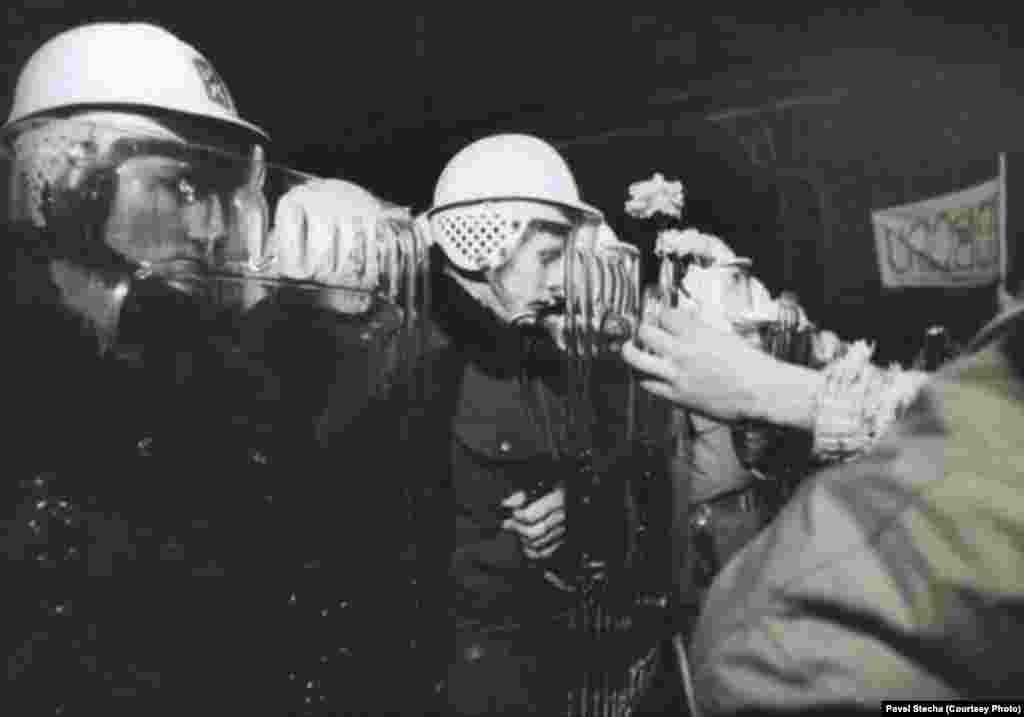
x=897, y=576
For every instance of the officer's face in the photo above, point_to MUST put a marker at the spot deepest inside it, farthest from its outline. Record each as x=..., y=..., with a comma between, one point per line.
x=532, y=280
x=168, y=209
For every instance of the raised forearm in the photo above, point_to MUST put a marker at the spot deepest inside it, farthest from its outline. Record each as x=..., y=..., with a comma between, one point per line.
x=847, y=406
x=786, y=396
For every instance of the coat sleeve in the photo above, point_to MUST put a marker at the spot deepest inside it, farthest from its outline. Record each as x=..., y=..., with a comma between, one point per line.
x=774, y=636
x=893, y=577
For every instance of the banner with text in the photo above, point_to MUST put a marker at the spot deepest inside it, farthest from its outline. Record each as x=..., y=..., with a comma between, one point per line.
x=953, y=240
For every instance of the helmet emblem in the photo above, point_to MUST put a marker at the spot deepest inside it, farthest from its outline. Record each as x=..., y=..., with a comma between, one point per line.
x=216, y=90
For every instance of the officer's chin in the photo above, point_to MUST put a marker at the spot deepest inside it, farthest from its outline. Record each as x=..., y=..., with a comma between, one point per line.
x=523, y=319
x=552, y=322
x=538, y=314
x=555, y=326
x=186, y=275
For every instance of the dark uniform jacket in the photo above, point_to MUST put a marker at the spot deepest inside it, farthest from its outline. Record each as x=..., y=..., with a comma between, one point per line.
x=134, y=526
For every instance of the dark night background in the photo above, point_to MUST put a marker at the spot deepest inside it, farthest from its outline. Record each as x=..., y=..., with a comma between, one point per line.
x=786, y=122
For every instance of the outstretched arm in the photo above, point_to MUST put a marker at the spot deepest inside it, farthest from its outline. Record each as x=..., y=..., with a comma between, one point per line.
x=847, y=405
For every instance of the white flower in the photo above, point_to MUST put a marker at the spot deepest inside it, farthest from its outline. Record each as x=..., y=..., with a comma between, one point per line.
x=848, y=368
x=655, y=195
x=673, y=242
x=827, y=347
x=762, y=306
x=860, y=351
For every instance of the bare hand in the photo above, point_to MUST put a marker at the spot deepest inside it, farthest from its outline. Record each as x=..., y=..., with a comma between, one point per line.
x=539, y=525
x=703, y=368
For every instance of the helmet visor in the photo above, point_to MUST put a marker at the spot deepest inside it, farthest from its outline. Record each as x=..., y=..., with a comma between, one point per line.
x=199, y=217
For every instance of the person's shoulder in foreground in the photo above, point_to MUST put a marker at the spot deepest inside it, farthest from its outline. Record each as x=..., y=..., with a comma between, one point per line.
x=897, y=576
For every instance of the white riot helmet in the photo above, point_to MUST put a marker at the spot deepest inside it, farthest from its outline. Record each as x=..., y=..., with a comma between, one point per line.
x=123, y=66
x=491, y=190
x=104, y=84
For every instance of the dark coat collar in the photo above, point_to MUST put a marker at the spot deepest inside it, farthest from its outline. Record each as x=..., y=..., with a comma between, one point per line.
x=497, y=349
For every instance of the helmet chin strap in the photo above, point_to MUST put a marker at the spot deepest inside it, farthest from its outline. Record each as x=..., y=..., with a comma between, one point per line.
x=494, y=303
x=488, y=295
x=515, y=318
x=98, y=300
x=524, y=317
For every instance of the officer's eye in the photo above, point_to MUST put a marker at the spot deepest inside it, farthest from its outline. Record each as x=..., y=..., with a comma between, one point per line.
x=187, y=190
x=551, y=254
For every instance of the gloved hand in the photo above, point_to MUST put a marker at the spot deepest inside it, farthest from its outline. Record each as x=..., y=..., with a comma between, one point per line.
x=325, y=232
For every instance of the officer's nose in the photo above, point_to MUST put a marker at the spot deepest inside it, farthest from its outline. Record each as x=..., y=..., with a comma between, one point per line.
x=557, y=279
x=206, y=224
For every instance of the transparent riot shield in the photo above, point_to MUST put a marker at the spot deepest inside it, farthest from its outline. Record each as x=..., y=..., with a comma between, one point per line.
x=726, y=293
x=778, y=455
x=620, y=498
x=199, y=332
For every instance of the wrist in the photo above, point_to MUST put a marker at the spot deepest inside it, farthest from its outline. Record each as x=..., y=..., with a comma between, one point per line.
x=787, y=396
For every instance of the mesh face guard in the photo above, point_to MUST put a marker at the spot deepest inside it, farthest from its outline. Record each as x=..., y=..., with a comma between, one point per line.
x=483, y=235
